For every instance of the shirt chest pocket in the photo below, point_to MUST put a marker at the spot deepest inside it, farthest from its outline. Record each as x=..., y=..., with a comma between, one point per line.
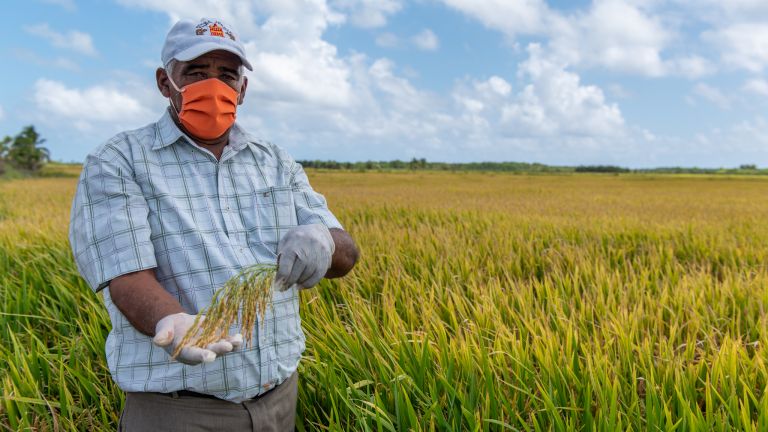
x=275, y=214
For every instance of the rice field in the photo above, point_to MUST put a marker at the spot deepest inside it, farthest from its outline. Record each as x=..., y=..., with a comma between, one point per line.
x=482, y=302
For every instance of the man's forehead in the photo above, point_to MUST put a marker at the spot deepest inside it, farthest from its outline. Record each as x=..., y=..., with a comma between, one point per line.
x=219, y=56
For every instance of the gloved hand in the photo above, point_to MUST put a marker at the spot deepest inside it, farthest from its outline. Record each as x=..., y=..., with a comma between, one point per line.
x=304, y=256
x=170, y=330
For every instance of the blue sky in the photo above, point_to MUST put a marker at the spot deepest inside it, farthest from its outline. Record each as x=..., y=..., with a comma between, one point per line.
x=637, y=83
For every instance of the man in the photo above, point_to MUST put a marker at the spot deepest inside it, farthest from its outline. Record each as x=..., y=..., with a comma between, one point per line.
x=166, y=214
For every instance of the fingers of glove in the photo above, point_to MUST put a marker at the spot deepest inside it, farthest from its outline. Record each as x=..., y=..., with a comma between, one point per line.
x=314, y=279
x=309, y=271
x=284, y=270
x=298, y=268
x=164, y=333
x=221, y=347
x=236, y=340
x=195, y=355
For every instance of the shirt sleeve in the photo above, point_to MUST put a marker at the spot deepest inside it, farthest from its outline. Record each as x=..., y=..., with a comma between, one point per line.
x=311, y=207
x=109, y=232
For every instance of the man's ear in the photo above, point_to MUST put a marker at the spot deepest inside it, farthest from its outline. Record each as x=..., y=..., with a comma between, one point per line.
x=161, y=76
x=243, y=87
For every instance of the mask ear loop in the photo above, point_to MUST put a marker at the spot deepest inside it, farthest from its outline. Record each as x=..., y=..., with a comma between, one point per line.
x=170, y=99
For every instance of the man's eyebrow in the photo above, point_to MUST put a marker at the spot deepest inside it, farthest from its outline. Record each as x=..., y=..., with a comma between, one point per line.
x=194, y=66
x=229, y=69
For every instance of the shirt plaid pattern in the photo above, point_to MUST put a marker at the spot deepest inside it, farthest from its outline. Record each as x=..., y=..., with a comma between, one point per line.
x=150, y=198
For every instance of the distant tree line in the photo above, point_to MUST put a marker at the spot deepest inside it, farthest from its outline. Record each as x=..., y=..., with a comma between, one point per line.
x=601, y=169
x=522, y=167
x=24, y=151
x=423, y=164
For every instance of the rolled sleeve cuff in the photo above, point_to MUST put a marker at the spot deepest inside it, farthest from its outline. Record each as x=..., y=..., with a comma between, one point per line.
x=318, y=215
x=99, y=273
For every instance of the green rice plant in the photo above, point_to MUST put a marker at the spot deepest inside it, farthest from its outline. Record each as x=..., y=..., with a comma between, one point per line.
x=242, y=298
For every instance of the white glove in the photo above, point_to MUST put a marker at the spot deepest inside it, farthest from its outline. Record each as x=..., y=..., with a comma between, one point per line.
x=170, y=330
x=304, y=256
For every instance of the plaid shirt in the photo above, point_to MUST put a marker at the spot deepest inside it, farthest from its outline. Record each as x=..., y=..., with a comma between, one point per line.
x=150, y=198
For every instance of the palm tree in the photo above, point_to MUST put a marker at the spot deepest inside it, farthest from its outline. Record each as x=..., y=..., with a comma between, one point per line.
x=26, y=152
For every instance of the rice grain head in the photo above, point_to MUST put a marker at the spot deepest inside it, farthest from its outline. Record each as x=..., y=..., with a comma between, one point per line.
x=240, y=300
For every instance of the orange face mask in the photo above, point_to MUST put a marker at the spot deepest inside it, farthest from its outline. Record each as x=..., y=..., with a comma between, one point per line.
x=208, y=107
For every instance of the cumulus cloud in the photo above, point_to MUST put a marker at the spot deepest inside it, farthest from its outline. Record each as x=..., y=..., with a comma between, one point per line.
x=387, y=40
x=548, y=114
x=426, y=40
x=47, y=62
x=718, y=11
x=517, y=17
x=368, y=13
x=757, y=86
x=743, y=45
x=72, y=40
x=627, y=36
x=617, y=35
x=713, y=95
x=691, y=67
x=555, y=102
x=95, y=104
x=240, y=14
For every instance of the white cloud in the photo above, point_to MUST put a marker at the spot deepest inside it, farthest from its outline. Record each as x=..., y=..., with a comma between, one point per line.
x=513, y=17
x=614, y=34
x=745, y=142
x=618, y=35
x=57, y=62
x=292, y=62
x=691, y=67
x=240, y=14
x=2, y=112
x=387, y=40
x=618, y=91
x=552, y=116
x=83, y=107
x=426, y=40
x=368, y=13
x=712, y=94
x=718, y=11
x=757, y=86
x=743, y=45
x=556, y=102
x=72, y=40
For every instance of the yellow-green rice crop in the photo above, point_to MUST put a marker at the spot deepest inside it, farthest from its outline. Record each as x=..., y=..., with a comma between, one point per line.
x=481, y=302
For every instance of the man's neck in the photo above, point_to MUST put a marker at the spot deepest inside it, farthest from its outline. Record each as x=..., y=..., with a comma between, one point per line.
x=215, y=146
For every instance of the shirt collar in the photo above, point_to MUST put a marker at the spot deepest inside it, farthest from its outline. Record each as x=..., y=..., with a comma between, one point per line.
x=169, y=133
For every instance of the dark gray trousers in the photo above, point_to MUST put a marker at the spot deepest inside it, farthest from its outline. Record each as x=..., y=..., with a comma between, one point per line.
x=274, y=411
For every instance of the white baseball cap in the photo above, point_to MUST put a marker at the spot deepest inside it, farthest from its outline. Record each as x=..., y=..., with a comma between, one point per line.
x=189, y=40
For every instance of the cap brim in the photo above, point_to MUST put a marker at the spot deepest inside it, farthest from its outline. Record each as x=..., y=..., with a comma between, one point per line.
x=197, y=50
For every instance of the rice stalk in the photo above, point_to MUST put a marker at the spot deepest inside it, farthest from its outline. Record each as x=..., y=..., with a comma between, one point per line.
x=240, y=300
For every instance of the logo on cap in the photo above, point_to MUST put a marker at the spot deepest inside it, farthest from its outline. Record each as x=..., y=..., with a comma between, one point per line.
x=214, y=28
